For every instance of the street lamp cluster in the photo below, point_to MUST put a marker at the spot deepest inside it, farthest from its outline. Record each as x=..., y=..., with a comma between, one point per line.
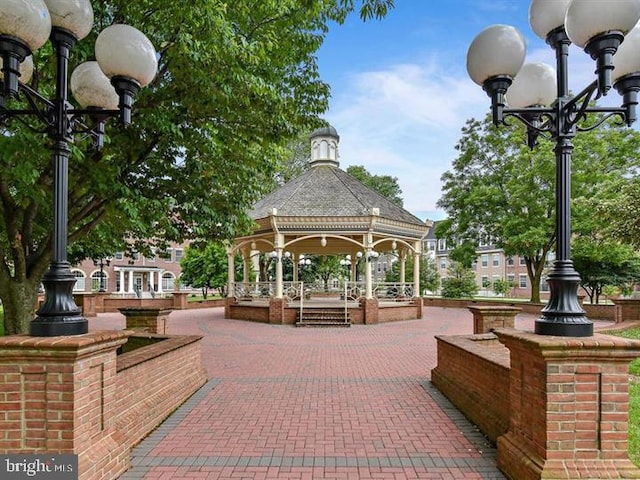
x=126, y=61
x=539, y=97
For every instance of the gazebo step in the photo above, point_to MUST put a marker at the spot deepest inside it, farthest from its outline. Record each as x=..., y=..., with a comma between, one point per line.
x=323, y=323
x=323, y=318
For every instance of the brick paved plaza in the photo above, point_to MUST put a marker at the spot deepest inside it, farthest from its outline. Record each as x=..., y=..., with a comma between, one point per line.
x=302, y=403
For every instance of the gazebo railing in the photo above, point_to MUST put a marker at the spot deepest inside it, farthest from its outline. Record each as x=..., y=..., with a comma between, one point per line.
x=254, y=290
x=393, y=291
x=352, y=291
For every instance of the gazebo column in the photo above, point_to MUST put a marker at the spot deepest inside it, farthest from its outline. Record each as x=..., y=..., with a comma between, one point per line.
x=295, y=259
x=416, y=270
x=278, y=272
x=279, y=247
x=230, y=273
x=368, y=284
x=403, y=266
x=246, y=265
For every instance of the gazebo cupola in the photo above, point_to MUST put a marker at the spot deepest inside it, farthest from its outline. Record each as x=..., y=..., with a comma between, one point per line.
x=324, y=147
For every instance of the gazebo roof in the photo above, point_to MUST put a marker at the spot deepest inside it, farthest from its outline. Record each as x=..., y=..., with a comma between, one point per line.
x=326, y=191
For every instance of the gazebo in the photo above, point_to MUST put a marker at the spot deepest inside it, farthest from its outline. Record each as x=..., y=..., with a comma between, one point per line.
x=326, y=211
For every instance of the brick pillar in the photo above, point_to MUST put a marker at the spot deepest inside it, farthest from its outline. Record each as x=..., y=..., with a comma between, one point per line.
x=627, y=309
x=228, y=301
x=488, y=318
x=58, y=396
x=569, y=400
x=153, y=320
x=99, y=297
x=180, y=300
x=370, y=310
x=417, y=301
x=276, y=310
x=87, y=302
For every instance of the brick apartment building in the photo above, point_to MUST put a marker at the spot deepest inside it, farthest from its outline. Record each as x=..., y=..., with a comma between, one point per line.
x=491, y=264
x=138, y=276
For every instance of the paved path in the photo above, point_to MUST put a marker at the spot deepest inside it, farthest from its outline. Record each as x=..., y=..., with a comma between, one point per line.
x=313, y=403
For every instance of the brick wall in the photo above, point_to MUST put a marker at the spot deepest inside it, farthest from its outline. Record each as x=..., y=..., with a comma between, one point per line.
x=74, y=395
x=600, y=312
x=558, y=406
x=146, y=392
x=473, y=373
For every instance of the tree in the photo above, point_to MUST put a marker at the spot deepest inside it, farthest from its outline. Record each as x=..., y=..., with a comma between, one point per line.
x=236, y=81
x=501, y=287
x=460, y=282
x=385, y=185
x=605, y=263
x=429, y=278
x=205, y=268
x=503, y=193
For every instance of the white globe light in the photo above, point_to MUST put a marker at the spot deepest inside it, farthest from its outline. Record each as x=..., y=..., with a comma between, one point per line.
x=497, y=51
x=587, y=19
x=28, y=20
x=122, y=50
x=547, y=15
x=534, y=85
x=91, y=87
x=627, y=59
x=26, y=69
x=73, y=15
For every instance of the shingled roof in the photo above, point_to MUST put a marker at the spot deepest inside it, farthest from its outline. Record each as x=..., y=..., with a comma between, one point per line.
x=326, y=191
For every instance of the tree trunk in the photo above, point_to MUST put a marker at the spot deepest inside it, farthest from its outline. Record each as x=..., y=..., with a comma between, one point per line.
x=19, y=302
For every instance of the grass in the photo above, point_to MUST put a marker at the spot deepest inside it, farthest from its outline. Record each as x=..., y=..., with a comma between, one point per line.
x=634, y=398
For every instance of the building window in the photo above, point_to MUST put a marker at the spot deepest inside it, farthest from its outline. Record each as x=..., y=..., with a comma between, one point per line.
x=443, y=263
x=496, y=259
x=79, y=286
x=544, y=286
x=179, y=253
x=167, y=281
x=96, y=284
x=484, y=259
x=442, y=244
x=152, y=258
x=522, y=261
x=523, y=281
x=510, y=262
x=119, y=256
x=511, y=279
x=485, y=281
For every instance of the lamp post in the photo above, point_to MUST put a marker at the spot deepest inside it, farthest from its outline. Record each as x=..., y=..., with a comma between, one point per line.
x=126, y=61
x=538, y=96
x=102, y=262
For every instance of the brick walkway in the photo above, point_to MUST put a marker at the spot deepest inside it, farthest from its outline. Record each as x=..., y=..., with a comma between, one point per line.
x=313, y=403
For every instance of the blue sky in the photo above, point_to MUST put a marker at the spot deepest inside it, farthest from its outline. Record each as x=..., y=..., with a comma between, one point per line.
x=401, y=93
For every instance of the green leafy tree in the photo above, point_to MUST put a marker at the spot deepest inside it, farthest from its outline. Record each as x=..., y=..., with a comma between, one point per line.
x=619, y=211
x=205, y=268
x=236, y=82
x=429, y=277
x=601, y=263
x=385, y=185
x=501, y=286
x=500, y=191
x=460, y=282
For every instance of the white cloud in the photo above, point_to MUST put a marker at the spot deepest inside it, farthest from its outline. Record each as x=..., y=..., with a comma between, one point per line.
x=404, y=121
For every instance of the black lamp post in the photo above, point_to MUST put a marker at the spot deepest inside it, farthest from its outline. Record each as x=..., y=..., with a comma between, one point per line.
x=101, y=262
x=538, y=96
x=126, y=60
